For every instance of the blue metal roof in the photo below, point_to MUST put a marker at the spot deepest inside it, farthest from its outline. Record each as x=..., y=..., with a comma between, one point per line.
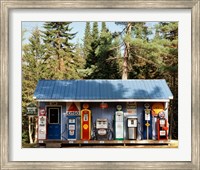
x=102, y=90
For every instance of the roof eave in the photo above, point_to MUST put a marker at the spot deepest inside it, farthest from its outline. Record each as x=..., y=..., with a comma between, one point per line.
x=103, y=100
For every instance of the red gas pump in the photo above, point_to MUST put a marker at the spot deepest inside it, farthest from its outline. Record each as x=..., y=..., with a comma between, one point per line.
x=85, y=122
x=162, y=126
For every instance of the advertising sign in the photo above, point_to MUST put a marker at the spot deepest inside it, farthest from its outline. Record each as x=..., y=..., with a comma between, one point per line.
x=42, y=112
x=157, y=108
x=31, y=109
x=73, y=110
x=104, y=105
x=131, y=107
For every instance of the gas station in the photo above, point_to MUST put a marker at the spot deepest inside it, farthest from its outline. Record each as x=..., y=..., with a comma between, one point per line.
x=100, y=113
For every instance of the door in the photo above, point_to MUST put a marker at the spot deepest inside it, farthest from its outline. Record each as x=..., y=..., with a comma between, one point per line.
x=54, y=123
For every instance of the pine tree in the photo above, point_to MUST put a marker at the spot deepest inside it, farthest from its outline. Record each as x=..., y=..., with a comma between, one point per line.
x=92, y=55
x=168, y=31
x=106, y=66
x=59, y=54
x=103, y=27
x=145, y=61
x=102, y=62
x=87, y=40
x=79, y=60
x=141, y=30
x=136, y=31
x=125, y=69
x=31, y=59
x=95, y=31
x=158, y=58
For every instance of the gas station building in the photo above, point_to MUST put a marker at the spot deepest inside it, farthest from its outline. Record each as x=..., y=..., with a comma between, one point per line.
x=103, y=111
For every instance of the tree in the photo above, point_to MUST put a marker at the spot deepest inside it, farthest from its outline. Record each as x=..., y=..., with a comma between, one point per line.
x=103, y=27
x=102, y=62
x=31, y=59
x=92, y=53
x=59, y=51
x=126, y=51
x=95, y=31
x=87, y=40
x=146, y=56
x=106, y=64
x=79, y=60
x=168, y=31
x=157, y=57
x=92, y=57
x=133, y=31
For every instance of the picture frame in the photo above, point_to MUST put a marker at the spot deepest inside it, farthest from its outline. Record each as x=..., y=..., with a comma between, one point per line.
x=6, y=5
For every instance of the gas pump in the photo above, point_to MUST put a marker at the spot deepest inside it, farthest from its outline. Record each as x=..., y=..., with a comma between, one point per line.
x=162, y=126
x=72, y=114
x=102, y=130
x=85, y=122
x=119, y=123
x=42, y=124
x=132, y=124
x=72, y=129
x=147, y=123
x=156, y=108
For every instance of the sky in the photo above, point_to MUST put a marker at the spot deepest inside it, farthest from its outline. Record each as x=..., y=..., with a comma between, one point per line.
x=78, y=27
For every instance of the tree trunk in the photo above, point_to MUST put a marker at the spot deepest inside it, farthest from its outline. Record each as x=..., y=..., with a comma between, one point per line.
x=30, y=129
x=61, y=65
x=125, y=65
x=126, y=53
x=36, y=129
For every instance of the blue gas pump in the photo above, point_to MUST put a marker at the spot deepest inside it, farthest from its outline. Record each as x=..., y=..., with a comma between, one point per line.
x=72, y=128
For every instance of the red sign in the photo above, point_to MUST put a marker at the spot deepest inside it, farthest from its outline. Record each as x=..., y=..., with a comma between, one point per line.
x=42, y=112
x=73, y=110
x=104, y=105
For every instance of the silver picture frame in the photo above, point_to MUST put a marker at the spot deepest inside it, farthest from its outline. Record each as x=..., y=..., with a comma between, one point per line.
x=6, y=5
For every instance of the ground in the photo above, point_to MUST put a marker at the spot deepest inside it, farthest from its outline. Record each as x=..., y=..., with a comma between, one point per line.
x=173, y=144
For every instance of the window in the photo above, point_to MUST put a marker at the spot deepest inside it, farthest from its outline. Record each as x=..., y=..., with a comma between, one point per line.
x=54, y=116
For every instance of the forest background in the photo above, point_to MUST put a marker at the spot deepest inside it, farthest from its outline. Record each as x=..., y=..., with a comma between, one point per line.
x=138, y=50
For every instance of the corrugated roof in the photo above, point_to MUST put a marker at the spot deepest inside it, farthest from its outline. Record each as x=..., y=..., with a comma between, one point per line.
x=102, y=90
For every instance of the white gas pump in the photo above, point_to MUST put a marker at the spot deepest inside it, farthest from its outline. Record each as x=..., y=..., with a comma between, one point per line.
x=42, y=124
x=132, y=123
x=119, y=123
